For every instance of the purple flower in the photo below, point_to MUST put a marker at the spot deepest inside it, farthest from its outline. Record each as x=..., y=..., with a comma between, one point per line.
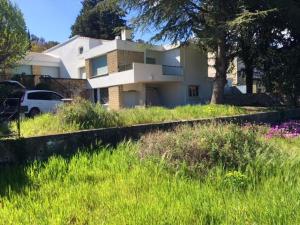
x=289, y=129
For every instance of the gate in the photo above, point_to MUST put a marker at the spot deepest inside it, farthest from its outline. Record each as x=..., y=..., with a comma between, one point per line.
x=10, y=110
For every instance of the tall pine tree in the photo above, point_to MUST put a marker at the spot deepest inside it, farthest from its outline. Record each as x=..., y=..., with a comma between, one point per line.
x=205, y=21
x=99, y=19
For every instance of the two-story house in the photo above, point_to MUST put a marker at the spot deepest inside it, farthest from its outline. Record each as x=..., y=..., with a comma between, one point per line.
x=123, y=73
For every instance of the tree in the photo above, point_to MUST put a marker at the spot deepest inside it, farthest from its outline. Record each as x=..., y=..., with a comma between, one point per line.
x=99, y=19
x=181, y=20
x=282, y=73
x=40, y=44
x=263, y=26
x=13, y=35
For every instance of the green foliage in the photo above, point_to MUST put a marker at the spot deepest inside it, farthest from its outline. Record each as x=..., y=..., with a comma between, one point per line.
x=267, y=38
x=235, y=180
x=42, y=125
x=205, y=147
x=112, y=186
x=40, y=44
x=99, y=19
x=82, y=114
x=13, y=36
x=87, y=115
x=282, y=74
x=204, y=22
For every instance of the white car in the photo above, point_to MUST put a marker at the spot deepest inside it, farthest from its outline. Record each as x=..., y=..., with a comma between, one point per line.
x=40, y=101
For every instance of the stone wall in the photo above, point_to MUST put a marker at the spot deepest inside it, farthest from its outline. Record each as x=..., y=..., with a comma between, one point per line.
x=262, y=99
x=41, y=148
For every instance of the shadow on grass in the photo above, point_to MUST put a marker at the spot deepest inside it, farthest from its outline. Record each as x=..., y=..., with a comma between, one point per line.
x=13, y=178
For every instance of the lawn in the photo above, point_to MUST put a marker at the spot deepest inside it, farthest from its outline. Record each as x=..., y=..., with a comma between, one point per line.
x=84, y=115
x=142, y=183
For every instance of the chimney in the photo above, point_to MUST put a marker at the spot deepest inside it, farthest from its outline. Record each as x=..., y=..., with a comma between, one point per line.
x=126, y=35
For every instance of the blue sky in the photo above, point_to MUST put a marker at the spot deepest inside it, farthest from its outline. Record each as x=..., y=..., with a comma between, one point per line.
x=52, y=19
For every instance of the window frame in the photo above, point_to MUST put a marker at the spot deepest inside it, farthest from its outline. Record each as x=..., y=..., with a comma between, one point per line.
x=193, y=91
x=80, y=50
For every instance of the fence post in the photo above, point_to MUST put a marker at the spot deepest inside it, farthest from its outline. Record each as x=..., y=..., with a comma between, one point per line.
x=19, y=114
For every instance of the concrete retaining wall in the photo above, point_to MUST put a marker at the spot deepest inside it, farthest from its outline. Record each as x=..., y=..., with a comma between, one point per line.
x=42, y=147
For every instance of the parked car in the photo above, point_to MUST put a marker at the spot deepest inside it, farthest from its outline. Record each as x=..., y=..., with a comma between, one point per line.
x=35, y=102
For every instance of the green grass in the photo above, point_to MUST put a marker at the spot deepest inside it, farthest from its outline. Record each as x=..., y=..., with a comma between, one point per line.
x=116, y=187
x=189, y=112
x=84, y=115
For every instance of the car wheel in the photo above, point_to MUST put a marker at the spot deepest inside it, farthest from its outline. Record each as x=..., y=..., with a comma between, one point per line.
x=34, y=112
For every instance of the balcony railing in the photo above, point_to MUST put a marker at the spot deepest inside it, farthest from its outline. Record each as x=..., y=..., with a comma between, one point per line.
x=125, y=67
x=167, y=70
x=172, y=70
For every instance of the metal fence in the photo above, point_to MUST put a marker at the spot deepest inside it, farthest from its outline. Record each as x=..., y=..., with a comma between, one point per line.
x=10, y=110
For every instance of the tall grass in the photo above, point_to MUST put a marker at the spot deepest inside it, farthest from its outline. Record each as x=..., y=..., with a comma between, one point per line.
x=83, y=114
x=116, y=187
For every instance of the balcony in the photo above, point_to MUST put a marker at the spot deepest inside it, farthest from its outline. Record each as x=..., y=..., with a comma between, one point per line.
x=172, y=70
x=139, y=73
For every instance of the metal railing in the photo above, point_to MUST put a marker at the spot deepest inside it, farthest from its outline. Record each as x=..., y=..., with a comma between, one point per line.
x=10, y=110
x=125, y=67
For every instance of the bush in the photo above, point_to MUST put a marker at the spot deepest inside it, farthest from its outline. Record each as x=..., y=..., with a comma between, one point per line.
x=235, y=180
x=201, y=148
x=87, y=115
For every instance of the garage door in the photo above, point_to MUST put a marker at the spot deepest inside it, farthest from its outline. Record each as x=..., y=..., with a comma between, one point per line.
x=130, y=99
x=51, y=71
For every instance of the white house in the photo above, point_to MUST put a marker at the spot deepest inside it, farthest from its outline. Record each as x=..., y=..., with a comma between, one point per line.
x=123, y=73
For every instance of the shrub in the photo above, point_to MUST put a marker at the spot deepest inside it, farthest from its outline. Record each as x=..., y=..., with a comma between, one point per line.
x=235, y=180
x=87, y=115
x=204, y=147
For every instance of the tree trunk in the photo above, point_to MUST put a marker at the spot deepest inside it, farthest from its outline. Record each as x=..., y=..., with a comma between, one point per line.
x=221, y=73
x=249, y=79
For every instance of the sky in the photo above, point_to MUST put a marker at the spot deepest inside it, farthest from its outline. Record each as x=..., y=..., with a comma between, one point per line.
x=52, y=19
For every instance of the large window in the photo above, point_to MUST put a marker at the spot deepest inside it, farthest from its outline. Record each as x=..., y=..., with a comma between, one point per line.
x=99, y=66
x=193, y=91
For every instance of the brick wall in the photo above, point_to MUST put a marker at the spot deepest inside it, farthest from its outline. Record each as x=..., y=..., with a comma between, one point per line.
x=115, y=97
x=88, y=68
x=112, y=62
x=120, y=58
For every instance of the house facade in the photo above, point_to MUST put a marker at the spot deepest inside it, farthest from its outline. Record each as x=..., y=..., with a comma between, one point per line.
x=122, y=73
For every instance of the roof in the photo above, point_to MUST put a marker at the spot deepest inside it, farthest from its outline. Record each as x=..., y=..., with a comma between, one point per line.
x=42, y=59
x=70, y=40
x=61, y=44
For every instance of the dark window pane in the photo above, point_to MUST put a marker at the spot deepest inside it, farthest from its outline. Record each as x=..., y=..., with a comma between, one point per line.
x=55, y=96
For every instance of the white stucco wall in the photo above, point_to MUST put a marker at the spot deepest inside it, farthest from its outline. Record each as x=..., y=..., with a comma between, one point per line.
x=71, y=60
x=196, y=73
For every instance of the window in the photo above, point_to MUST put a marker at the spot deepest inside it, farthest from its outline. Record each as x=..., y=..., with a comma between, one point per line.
x=193, y=91
x=55, y=97
x=150, y=60
x=103, y=95
x=39, y=95
x=99, y=66
x=43, y=95
x=80, y=50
